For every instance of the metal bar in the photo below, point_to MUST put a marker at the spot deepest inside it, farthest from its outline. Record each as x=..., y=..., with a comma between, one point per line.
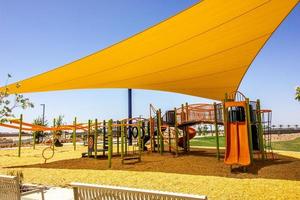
x=110, y=143
x=260, y=129
x=217, y=131
x=20, y=136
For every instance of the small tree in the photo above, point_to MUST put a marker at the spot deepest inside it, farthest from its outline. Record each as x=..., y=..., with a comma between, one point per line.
x=297, y=96
x=39, y=135
x=9, y=103
x=59, y=121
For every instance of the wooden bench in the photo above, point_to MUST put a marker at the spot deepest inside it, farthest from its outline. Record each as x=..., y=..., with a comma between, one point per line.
x=104, y=192
x=10, y=189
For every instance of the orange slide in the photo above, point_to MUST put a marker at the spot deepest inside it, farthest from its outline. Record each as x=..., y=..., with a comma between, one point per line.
x=237, y=144
x=192, y=134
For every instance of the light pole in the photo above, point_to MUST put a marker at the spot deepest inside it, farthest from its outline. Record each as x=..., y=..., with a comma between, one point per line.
x=44, y=106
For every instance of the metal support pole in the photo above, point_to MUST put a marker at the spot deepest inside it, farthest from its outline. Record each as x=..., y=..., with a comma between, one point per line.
x=96, y=138
x=217, y=131
x=130, y=116
x=74, y=133
x=54, y=132
x=122, y=139
x=104, y=138
x=249, y=129
x=88, y=135
x=176, y=131
x=187, y=128
x=160, y=135
x=118, y=128
x=139, y=140
x=260, y=130
x=20, y=135
x=110, y=142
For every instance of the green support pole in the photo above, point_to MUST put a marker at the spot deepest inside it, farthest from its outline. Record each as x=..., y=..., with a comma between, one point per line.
x=249, y=129
x=104, y=137
x=183, y=119
x=161, y=139
x=217, y=131
x=139, y=140
x=187, y=128
x=88, y=135
x=225, y=121
x=96, y=138
x=74, y=133
x=20, y=135
x=158, y=128
x=118, y=136
x=176, y=131
x=54, y=132
x=260, y=130
x=110, y=144
x=122, y=139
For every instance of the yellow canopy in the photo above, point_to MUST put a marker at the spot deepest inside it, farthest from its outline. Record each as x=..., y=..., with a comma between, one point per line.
x=203, y=51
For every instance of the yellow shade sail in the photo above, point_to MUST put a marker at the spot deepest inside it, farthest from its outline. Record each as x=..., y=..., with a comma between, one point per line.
x=203, y=51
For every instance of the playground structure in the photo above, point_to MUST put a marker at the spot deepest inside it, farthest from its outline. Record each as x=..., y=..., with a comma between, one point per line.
x=246, y=129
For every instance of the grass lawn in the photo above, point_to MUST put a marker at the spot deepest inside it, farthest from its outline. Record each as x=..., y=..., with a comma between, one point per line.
x=210, y=141
x=214, y=186
x=293, y=145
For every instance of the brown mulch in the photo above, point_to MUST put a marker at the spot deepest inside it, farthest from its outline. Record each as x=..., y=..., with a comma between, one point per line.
x=197, y=162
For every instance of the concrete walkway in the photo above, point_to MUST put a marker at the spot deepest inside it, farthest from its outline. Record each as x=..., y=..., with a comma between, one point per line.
x=54, y=193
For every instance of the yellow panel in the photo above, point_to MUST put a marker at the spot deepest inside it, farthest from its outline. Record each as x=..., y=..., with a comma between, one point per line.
x=203, y=51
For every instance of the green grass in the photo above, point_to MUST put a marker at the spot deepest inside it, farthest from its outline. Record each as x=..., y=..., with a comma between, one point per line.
x=210, y=141
x=292, y=145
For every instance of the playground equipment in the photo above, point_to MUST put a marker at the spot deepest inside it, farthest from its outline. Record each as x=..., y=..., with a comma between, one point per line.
x=113, y=139
x=178, y=124
x=246, y=128
x=22, y=127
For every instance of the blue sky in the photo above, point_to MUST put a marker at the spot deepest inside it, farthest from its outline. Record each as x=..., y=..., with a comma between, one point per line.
x=36, y=36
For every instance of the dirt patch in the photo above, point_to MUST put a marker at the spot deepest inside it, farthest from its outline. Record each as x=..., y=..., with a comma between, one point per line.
x=197, y=162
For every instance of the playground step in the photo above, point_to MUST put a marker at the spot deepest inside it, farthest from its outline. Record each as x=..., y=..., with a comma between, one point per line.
x=130, y=159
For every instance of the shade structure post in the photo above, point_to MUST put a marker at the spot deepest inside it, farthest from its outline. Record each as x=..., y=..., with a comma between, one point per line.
x=20, y=135
x=129, y=116
x=217, y=130
x=74, y=133
x=260, y=129
x=96, y=138
x=110, y=142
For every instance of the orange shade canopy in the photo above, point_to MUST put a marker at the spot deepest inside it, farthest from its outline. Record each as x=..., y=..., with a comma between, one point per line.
x=203, y=51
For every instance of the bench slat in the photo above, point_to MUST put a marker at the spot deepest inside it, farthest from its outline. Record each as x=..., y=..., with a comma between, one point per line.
x=105, y=192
